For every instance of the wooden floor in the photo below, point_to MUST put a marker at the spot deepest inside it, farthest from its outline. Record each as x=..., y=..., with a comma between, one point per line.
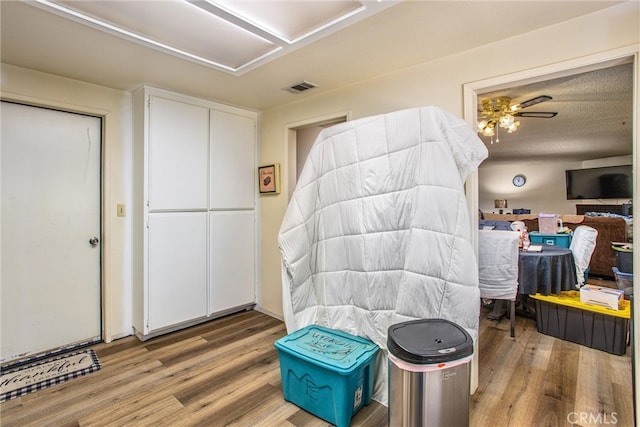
x=226, y=372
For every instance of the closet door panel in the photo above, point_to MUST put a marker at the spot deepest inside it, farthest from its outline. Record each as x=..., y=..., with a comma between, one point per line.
x=177, y=268
x=178, y=155
x=232, y=260
x=233, y=161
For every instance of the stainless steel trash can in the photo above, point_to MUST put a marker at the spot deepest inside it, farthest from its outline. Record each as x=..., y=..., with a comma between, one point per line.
x=429, y=365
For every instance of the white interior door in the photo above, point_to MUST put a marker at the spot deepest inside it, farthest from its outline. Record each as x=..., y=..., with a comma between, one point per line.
x=50, y=234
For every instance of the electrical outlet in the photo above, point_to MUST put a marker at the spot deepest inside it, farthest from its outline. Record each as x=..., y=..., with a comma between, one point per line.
x=121, y=209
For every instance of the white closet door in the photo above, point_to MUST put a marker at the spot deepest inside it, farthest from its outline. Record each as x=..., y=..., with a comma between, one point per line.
x=232, y=259
x=178, y=155
x=177, y=279
x=50, y=285
x=233, y=161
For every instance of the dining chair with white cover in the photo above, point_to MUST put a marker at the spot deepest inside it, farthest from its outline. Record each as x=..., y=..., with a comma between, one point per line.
x=498, y=267
x=582, y=246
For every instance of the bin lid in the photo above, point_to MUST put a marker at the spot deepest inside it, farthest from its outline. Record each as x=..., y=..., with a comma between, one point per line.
x=427, y=341
x=332, y=349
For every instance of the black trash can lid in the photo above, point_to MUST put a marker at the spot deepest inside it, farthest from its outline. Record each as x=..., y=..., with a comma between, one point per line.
x=428, y=341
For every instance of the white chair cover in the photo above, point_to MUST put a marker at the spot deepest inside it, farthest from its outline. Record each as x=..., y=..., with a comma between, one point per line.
x=498, y=267
x=498, y=264
x=582, y=246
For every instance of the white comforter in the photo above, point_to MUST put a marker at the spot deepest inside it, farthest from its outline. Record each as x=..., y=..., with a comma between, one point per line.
x=377, y=230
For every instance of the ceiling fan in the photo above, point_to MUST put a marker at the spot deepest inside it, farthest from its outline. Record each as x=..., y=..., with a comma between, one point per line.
x=498, y=112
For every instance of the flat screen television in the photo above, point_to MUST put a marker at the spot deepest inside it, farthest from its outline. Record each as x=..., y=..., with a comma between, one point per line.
x=611, y=182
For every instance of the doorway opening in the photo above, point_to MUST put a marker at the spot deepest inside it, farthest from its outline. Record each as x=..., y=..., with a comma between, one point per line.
x=581, y=65
x=300, y=137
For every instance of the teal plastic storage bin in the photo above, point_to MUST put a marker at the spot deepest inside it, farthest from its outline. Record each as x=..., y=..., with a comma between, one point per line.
x=327, y=372
x=563, y=240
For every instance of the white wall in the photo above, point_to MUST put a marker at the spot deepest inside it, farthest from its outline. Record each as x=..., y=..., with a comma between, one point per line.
x=437, y=83
x=115, y=106
x=545, y=189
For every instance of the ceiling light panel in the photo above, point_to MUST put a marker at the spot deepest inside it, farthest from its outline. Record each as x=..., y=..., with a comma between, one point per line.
x=291, y=21
x=180, y=25
x=231, y=36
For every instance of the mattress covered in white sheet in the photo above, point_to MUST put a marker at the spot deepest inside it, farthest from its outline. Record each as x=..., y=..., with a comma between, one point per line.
x=377, y=230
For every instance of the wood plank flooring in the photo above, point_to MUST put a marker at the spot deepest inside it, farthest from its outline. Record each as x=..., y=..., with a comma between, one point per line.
x=226, y=372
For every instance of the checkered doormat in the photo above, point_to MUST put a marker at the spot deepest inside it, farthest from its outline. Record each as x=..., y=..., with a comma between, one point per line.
x=18, y=381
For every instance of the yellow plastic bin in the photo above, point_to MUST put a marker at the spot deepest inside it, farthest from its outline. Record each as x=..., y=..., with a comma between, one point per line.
x=564, y=316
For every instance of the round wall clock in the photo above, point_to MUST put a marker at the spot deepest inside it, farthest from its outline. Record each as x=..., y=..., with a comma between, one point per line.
x=519, y=180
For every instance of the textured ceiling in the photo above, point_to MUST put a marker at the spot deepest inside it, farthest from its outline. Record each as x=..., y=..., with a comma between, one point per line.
x=594, y=118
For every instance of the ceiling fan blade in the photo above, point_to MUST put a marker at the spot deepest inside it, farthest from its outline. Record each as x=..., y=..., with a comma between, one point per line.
x=534, y=101
x=536, y=114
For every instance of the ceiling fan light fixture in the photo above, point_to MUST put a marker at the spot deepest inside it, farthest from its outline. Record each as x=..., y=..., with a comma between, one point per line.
x=496, y=112
x=500, y=113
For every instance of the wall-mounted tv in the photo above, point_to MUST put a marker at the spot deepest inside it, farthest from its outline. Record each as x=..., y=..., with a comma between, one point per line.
x=611, y=182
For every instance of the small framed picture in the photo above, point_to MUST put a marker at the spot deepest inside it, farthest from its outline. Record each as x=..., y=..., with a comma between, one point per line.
x=269, y=179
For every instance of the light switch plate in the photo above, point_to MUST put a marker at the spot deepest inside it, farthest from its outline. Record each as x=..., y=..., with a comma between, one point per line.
x=121, y=210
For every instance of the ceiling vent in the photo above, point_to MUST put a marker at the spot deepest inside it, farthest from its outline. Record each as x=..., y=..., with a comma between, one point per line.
x=300, y=87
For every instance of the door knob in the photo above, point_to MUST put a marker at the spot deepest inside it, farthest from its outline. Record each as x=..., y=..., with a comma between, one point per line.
x=94, y=241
